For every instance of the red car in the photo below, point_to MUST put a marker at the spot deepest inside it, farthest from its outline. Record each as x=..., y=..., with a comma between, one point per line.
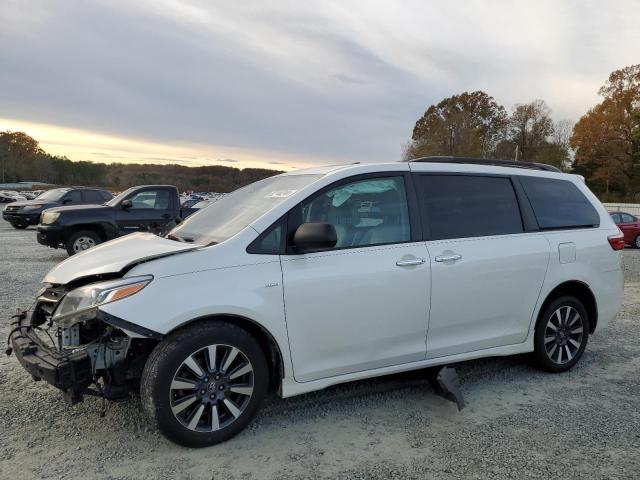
x=630, y=227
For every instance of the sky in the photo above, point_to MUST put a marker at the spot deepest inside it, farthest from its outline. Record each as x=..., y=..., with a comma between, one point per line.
x=287, y=84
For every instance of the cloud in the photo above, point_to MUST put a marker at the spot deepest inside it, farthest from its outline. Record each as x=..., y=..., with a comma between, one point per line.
x=309, y=81
x=341, y=77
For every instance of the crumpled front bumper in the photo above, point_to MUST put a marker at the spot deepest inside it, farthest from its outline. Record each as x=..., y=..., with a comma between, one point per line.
x=71, y=372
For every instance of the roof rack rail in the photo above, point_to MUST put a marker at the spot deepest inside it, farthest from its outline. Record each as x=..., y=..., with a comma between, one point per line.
x=488, y=161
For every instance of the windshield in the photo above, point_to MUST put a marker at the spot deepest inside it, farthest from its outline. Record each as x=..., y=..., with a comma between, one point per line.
x=115, y=200
x=233, y=212
x=53, y=195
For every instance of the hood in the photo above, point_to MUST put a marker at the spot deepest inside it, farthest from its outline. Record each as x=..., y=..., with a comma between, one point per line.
x=112, y=257
x=76, y=208
x=24, y=203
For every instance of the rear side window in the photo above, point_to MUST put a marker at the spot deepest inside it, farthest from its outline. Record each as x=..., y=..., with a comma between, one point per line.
x=559, y=204
x=626, y=218
x=92, y=196
x=105, y=195
x=461, y=206
x=74, y=196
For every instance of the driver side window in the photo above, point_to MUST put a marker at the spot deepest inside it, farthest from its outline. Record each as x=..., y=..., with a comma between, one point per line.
x=365, y=212
x=155, y=199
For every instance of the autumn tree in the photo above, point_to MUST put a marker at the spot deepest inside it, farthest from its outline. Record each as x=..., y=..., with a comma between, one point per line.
x=17, y=151
x=607, y=138
x=556, y=149
x=468, y=124
x=530, y=127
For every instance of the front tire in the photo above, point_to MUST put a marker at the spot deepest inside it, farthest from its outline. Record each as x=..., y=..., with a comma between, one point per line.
x=636, y=242
x=82, y=240
x=203, y=385
x=19, y=226
x=561, y=335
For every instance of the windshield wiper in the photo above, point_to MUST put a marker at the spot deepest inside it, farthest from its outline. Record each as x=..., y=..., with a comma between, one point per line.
x=186, y=239
x=175, y=238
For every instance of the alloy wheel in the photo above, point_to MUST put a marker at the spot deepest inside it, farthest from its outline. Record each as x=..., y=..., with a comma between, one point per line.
x=563, y=334
x=83, y=243
x=211, y=388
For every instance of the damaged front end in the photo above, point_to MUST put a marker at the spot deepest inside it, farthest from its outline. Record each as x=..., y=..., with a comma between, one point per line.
x=70, y=343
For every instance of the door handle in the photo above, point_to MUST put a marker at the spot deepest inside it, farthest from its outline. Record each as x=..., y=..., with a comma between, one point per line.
x=409, y=263
x=449, y=257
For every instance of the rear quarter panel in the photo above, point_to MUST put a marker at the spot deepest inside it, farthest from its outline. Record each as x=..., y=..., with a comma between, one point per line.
x=596, y=263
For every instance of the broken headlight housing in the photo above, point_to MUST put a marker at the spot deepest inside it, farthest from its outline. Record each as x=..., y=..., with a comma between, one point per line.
x=81, y=304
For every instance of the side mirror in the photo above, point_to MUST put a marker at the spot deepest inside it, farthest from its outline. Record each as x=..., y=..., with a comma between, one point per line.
x=66, y=201
x=126, y=204
x=314, y=236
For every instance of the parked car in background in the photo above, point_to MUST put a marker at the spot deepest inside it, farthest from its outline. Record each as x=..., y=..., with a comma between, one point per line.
x=185, y=211
x=328, y=275
x=629, y=225
x=5, y=197
x=29, y=195
x=189, y=202
x=9, y=196
x=24, y=213
x=147, y=208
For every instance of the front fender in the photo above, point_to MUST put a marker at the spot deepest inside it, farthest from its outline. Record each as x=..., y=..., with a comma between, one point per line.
x=251, y=291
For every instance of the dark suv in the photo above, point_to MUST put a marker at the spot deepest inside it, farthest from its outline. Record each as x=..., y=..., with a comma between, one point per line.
x=22, y=214
x=147, y=208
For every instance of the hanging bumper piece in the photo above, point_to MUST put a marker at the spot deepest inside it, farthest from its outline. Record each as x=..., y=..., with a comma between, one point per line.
x=446, y=383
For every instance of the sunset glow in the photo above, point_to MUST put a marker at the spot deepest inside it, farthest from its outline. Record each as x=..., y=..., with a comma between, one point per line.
x=77, y=145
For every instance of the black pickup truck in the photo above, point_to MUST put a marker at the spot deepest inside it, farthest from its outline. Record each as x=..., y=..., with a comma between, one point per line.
x=148, y=208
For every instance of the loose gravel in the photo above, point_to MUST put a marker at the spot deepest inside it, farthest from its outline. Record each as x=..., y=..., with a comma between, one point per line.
x=519, y=422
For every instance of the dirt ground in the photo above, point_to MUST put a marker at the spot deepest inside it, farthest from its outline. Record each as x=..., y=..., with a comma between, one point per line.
x=519, y=422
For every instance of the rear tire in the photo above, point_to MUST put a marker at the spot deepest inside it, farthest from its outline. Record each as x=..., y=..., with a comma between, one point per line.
x=636, y=242
x=561, y=335
x=204, y=384
x=19, y=226
x=82, y=240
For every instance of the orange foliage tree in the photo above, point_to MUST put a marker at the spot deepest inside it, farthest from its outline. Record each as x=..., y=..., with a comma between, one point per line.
x=607, y=138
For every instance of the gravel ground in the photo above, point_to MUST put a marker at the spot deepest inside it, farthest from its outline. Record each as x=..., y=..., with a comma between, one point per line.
x=519, y=422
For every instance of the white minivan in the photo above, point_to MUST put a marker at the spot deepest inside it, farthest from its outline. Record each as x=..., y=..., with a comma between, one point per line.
x=328, y=275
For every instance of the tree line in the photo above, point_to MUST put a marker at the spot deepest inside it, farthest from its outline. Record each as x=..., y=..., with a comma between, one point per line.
x=22, y=159
x=603, y=146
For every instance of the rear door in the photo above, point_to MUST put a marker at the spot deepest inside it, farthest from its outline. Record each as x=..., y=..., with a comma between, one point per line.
x=486, y=268
x=92, y=197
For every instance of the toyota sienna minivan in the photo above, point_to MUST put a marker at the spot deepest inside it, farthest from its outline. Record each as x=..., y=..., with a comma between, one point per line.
x=328, y=275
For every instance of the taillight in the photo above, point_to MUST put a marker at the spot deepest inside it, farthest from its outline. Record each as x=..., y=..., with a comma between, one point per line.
x=617, y=241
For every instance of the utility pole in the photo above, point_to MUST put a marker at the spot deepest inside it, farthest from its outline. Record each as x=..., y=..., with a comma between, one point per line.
x=517, y=152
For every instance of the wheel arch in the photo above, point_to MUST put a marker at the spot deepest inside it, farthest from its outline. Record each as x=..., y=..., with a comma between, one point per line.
x=265, y=339
x=93, y=227
x=579, y=290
